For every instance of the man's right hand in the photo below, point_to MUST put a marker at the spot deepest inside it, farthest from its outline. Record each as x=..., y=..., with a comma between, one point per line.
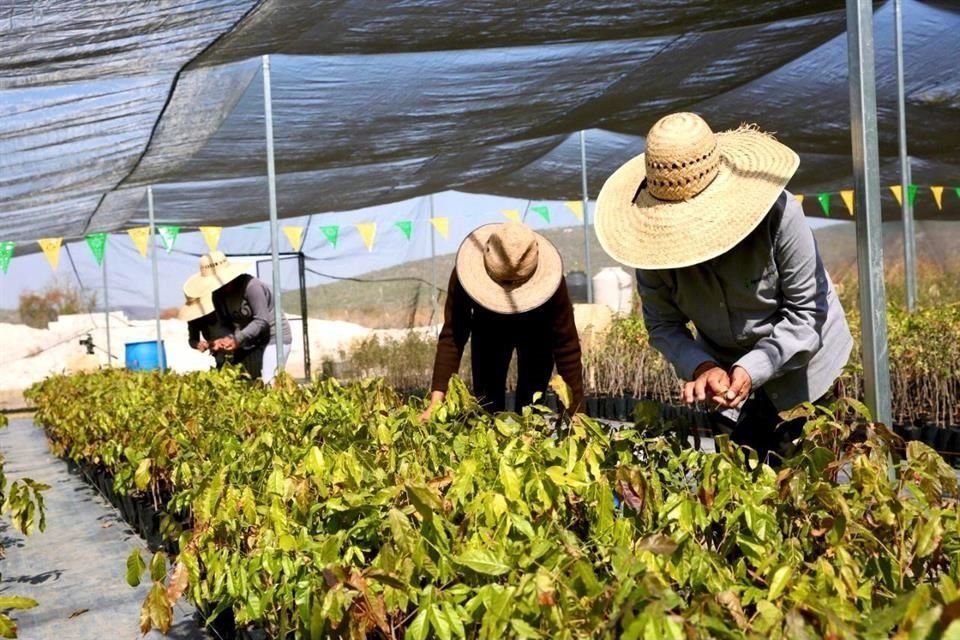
x=709, y=381
x=435, y=398
x=202, y=346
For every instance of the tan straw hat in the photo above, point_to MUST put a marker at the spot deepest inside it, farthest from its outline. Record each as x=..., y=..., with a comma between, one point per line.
x=216, y=270
x=195, y=308
x=693, y=195
x=508, y=268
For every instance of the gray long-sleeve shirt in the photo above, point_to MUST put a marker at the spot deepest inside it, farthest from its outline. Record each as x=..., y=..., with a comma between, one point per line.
x=246, y=306
x=767, y=305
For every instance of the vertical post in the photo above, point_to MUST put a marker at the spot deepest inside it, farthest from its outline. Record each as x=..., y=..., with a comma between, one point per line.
x=909, y=237
x=106, y=307
x=433, y=266
x=304, y=312
x=586, y=215
x=274, y=224
x=156, y=276
x=866, y=173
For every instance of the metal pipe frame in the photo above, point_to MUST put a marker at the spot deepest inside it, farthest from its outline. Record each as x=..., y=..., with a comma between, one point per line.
x=156, y=277
x=274, y=222
x=586, y=215
x=909, y=232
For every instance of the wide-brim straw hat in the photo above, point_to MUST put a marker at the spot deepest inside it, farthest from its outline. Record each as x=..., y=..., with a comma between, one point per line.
x=216, y=270
x=508, y=268
x=693, y=195
x=195, y=308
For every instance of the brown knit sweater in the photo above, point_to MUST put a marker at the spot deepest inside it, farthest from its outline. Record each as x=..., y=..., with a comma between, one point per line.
x=547, y=334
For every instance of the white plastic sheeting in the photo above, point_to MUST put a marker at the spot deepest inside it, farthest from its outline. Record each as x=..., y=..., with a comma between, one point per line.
x=375, y=102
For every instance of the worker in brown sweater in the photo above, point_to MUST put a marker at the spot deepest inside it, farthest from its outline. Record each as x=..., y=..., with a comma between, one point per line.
x=508, y=293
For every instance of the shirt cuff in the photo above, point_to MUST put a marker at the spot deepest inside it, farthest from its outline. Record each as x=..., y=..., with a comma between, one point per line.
x=758, y=365
x=690, y=359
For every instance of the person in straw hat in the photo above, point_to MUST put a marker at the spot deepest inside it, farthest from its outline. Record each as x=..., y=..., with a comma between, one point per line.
x=718, y=242
x=245, y=306
x=507, y=293
x=204, y=327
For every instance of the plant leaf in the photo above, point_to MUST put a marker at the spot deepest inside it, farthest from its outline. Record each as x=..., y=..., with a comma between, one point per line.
x=779, y=582
x=135, y=568
x=141, y=477
x=483, y=561
x=17, y=602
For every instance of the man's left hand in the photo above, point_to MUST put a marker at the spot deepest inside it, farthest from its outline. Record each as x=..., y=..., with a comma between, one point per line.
x=740, y=386
x=227, y=344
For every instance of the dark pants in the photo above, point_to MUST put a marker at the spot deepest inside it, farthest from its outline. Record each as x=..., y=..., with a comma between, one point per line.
x=491, y=361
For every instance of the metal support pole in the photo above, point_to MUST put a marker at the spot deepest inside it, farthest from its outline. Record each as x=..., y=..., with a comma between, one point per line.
x=433, y=267
x=909, y=236
x=106, y=307
x=156, y=277
x=304, y=312
x=586, y=215
x=866, y=173
x=274, y=224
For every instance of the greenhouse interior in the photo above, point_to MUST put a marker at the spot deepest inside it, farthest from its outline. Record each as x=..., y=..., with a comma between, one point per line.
x=435, y=320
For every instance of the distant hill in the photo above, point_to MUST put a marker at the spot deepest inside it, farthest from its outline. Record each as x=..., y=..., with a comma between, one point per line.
x=400, y=296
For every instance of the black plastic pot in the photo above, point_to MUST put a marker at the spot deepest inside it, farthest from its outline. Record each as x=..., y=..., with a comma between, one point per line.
x=620, y=407
x=911, y=433
x=610, y=408
x=943, y=441
x=929, y=435
x=631, y=407
x=593, y=409
x=954, y=445
x=550, y=400
x=510, y=401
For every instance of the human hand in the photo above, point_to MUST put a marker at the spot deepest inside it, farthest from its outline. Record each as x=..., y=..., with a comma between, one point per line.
x=710, y=380
x=435, y=398
x=740, y=386
x=202, y=346
x=227, y=344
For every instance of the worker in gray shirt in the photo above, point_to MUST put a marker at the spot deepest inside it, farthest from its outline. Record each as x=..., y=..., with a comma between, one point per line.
x=719, y=243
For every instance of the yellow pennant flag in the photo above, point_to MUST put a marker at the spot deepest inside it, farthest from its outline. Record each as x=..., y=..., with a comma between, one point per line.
x=51, y=249
x=897, y=192
x=442, y=225
x=938, y=196
x=577, y=207
x=847, y=195
x=368, y=231
x=295, y=236
x=211, y=236
x=141, y=239
x=511, y=214
x=799, y=197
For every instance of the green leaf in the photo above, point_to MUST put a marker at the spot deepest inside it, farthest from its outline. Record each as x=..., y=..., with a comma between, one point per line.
x=440, y=624
x=8, y=628
x=158, y=566
x=141, y=476
x=420, y=626
x=523, y=629
x=16, y=602
x=453, y=618
x=483, y=561
x=135, y=568
x=510, y=480
x=779, y=582
x=424, y=500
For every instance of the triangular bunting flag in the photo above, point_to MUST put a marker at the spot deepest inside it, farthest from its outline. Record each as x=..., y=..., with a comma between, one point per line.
x=6, y=254
x=847, y=195
x=577, y=207
x=543, y=211
x=211, y=235
x=98, y=245
x=368, y=231
x=957, y=191
x=442, y=225
x=511, y=214
x=295, y=236
x=331, y=233
x=406, y=227
x=824, y=199
x=938, y=196
x=897, y=192
x=168, y=233
x=912, y=193
x=51, y=249
x=141, y=239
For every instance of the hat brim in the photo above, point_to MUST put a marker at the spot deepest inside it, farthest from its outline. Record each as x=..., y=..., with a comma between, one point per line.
x=641, y=231
x=198, y=286
x=486, y=292
x=196, y=308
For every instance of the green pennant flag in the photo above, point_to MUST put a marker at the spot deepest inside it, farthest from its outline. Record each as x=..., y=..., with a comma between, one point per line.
x=6, y=254
x=406, y=227
x=543, y=211
x=168, y=233
x=332, y=233
x=98, y=245
x=824, y=199
x=912, y=193
x=957, y=191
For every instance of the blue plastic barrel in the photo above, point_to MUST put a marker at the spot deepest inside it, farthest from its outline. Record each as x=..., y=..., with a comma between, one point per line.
x=143, y=356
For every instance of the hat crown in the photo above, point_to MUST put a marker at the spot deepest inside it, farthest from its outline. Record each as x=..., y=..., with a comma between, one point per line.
x=209, y=262
x=512, y=254
x=681, y=157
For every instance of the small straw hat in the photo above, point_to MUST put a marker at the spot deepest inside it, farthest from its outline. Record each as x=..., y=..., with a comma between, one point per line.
x=693, y=195
x=195, y=308
x=508, y=268
x=216, y=270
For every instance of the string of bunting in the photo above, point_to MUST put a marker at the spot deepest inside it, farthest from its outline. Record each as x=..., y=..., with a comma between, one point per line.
x=140, y=236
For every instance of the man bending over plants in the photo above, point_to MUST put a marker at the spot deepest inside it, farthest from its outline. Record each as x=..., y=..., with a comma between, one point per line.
x=718, y=242
x=508, y=292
